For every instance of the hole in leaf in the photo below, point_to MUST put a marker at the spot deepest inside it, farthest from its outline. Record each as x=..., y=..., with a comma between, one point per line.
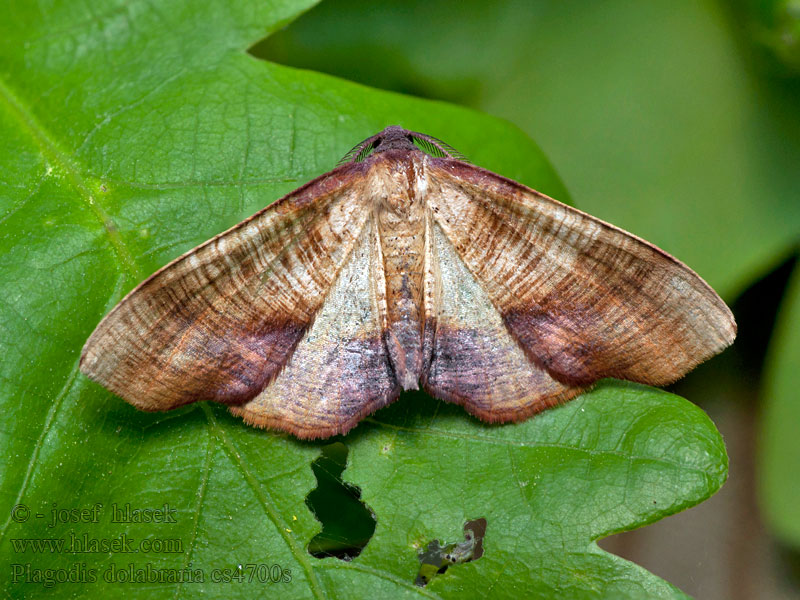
x=437, y=557
x=347, y=523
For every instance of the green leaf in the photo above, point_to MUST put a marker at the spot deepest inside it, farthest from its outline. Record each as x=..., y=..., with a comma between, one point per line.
x=649, y=110
x=132, y=131
x=616, y=458
x=779, y=487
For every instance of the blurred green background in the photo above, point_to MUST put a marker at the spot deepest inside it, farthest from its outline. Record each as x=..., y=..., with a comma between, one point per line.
x=680, y=122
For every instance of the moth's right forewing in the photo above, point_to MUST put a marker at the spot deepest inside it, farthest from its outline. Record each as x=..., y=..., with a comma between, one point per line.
x=221, y=321
x=584, y=299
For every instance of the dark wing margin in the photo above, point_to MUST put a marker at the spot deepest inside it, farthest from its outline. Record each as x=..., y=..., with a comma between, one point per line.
x=220, y=322
x=584, y=299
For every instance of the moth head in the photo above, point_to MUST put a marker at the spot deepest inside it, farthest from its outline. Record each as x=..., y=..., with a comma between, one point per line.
x=397, y=138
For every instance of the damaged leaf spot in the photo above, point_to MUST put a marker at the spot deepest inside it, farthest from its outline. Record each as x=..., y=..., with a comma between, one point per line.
x=347, y=523
x=436, y=558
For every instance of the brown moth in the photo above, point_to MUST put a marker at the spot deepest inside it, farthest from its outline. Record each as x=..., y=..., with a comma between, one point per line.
x=400, y=268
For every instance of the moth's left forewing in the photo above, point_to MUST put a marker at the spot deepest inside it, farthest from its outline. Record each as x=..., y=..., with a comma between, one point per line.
x=220, y=322
x=340, y=370
x=583, y=299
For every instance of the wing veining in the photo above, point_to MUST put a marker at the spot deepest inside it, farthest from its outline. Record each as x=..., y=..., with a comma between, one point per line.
x=398, y=269
x=475, y=362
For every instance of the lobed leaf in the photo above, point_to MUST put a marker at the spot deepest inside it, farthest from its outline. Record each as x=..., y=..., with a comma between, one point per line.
x=132, y=131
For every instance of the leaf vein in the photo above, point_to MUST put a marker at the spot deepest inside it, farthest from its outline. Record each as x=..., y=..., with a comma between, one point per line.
x=266, y=503
x=51, y=150
x=355, y=566
x=48, y=424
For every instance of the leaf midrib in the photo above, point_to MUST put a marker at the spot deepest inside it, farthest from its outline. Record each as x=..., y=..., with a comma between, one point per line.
x=55, y=155
x=282, y=526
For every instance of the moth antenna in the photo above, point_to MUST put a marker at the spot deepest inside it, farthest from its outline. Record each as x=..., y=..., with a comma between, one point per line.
x=359, y=152
x=436, y=147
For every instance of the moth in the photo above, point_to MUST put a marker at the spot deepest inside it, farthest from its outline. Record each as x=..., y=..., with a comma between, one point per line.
x=405, y=267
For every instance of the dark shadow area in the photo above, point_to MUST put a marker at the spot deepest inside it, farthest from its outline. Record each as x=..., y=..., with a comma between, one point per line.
x=371, y=49
x=437, y=557
x=788, y=561
x=347, y=523
x=756, y=311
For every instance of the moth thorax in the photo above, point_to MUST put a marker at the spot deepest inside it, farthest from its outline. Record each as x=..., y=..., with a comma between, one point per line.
x=400, y=202
x=401, y=230
x=397, y=187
